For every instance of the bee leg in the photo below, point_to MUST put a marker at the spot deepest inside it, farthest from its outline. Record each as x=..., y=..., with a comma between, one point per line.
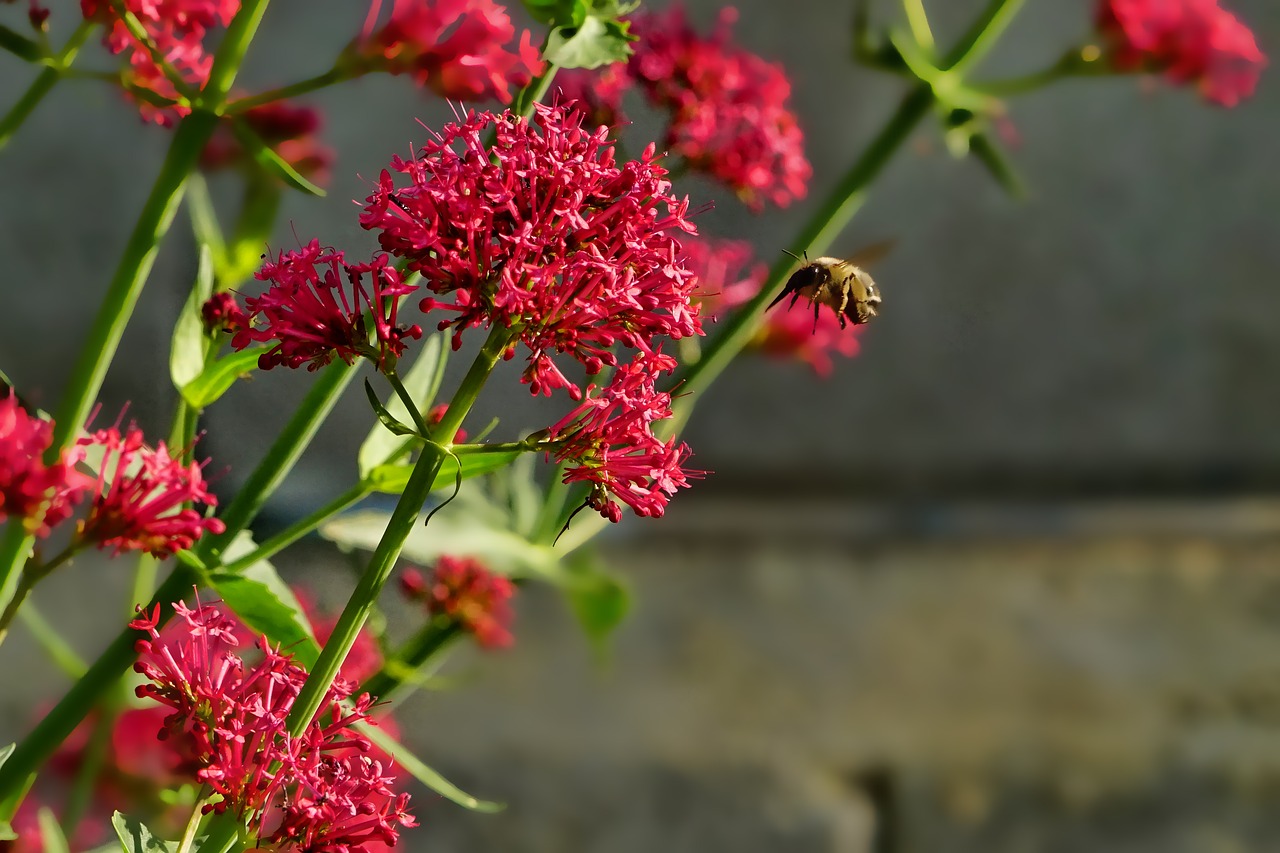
x=817, y=310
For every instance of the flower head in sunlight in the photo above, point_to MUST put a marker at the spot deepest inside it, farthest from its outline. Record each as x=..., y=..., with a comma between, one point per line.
x=288, y=129
x=1190, y=41
x=42, y=496
x=608, y=442
x=325, y=790
x=461, y=49
x=552, y=238
x=729, y=109
x=314, y=309
x=177, y=29
x=729, y=276
x=462, y=590
x=141, y=496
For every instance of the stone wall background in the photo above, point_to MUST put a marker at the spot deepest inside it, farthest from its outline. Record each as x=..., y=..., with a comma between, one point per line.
x=999, y=585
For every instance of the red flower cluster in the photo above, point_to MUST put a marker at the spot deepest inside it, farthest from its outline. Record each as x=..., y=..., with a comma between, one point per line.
x=310, y=317
x=140, y=496
x=729, y=277
x=458, y=48
x=221, y=313
x=544, y=234
x=463, y=590
x=289, y=130
x=177, y=28
x=1191, y=41
x=728, y=108
x=608, y=442
x=321, y=792
x=41, y=495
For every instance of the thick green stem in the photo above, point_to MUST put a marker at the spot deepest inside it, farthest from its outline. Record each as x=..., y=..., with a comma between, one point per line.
x=816, y=236
x=535, y=91
x=403, y=519
x=19, y=45
x=44, y=83
x=337, y=74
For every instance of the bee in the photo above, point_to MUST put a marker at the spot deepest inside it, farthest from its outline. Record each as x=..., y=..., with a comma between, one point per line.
x=841, y=284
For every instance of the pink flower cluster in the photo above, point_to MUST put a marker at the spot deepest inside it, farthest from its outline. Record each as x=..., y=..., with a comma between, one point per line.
x=315, y=308
x=42, y=496
x=141, y=496
x=464, y=591
x=730, y=277
x=729, y=112
x=323, y=791
x=608, y=442
x=138, y=498
x=458, y=48
x=544, y=234
x=1191, y=41
x=177, y=28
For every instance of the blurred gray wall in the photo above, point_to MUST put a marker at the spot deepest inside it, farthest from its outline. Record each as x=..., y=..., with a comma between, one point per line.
x=1115, y=332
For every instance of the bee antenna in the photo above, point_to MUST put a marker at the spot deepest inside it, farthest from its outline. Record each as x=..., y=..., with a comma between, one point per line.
x=797, y=257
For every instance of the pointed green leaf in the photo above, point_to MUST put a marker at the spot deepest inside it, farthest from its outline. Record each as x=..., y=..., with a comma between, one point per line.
x=385, y=417
x=998, y=164
x=265, y=603
x=219, y=375
x=270, y=160
x=5, y=752
x=598, y=600
x=136, y=837
x=204, y=221
x=591, y=44
x=422, y=772
x=50, y=832
x=382, y=447
x=190, y=344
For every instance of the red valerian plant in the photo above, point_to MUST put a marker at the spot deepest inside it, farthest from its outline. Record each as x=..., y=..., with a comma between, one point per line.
x=463, y=591
x=457, y=48
x=322, y=791
x=551, y=238
x=1190, y=41
x=140, y=497
x=177, y=30
x=39, y=496
x=315, y=309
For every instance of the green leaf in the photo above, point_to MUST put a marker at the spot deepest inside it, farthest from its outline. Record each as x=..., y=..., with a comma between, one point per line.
x=50, y=832
x=392, y=479
x=593, y=43
x=266, y=604
x=190, y=346
x=422, y=772
x=388, y=421
x=259, y=209
x=204, y=221
x=270, y=160
x=219, y=375
x=597, y=599
x=6, y=831
x=136, y=837
x=998, y=164
x=569, y=13
x=382, y=447
x=5, y=752
x=462, y=534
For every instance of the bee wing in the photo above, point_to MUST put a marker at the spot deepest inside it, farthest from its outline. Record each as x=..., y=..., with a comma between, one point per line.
x=869, y=255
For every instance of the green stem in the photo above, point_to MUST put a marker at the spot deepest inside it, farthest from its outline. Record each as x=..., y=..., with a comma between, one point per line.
x=51, y=640
x=405, y=397
x=816, y=236
x=19, y=45
x=535, y=91
x=91, y=764
x=403, y=519
x=142, y=37
x=43, y=83
x=301, y=528
x=416, y=652
x=982, y=36
x=230, y=55
x=1081, y=62
x=918, y=20
x=336, y=74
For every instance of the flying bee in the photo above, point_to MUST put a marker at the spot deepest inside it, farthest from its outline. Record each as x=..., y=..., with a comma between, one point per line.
x=841, y=284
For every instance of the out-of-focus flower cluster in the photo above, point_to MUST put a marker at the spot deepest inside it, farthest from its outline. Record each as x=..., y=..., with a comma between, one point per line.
x=138, y=500
x=177, y=29
x=730, y=276
x=326, y=790
x=460, y=49
x=290, y=130
x=466, y=593
x=1190, y=41
x=728, y=109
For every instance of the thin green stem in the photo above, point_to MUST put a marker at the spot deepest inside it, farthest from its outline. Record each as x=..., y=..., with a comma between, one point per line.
x=19, y=45
x=298, y=529
x=403, y=519
x=91, y=764
x=230, y=55
x=816, y=236
x=142, y=37
x=918, y=20
x=982, y=36
x=410, y=404
x=430, y=640
x=51, y=640
x=44, y=83
x=1081, y=62
x=193, y=825
x=337, y=74
x=535, y=91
